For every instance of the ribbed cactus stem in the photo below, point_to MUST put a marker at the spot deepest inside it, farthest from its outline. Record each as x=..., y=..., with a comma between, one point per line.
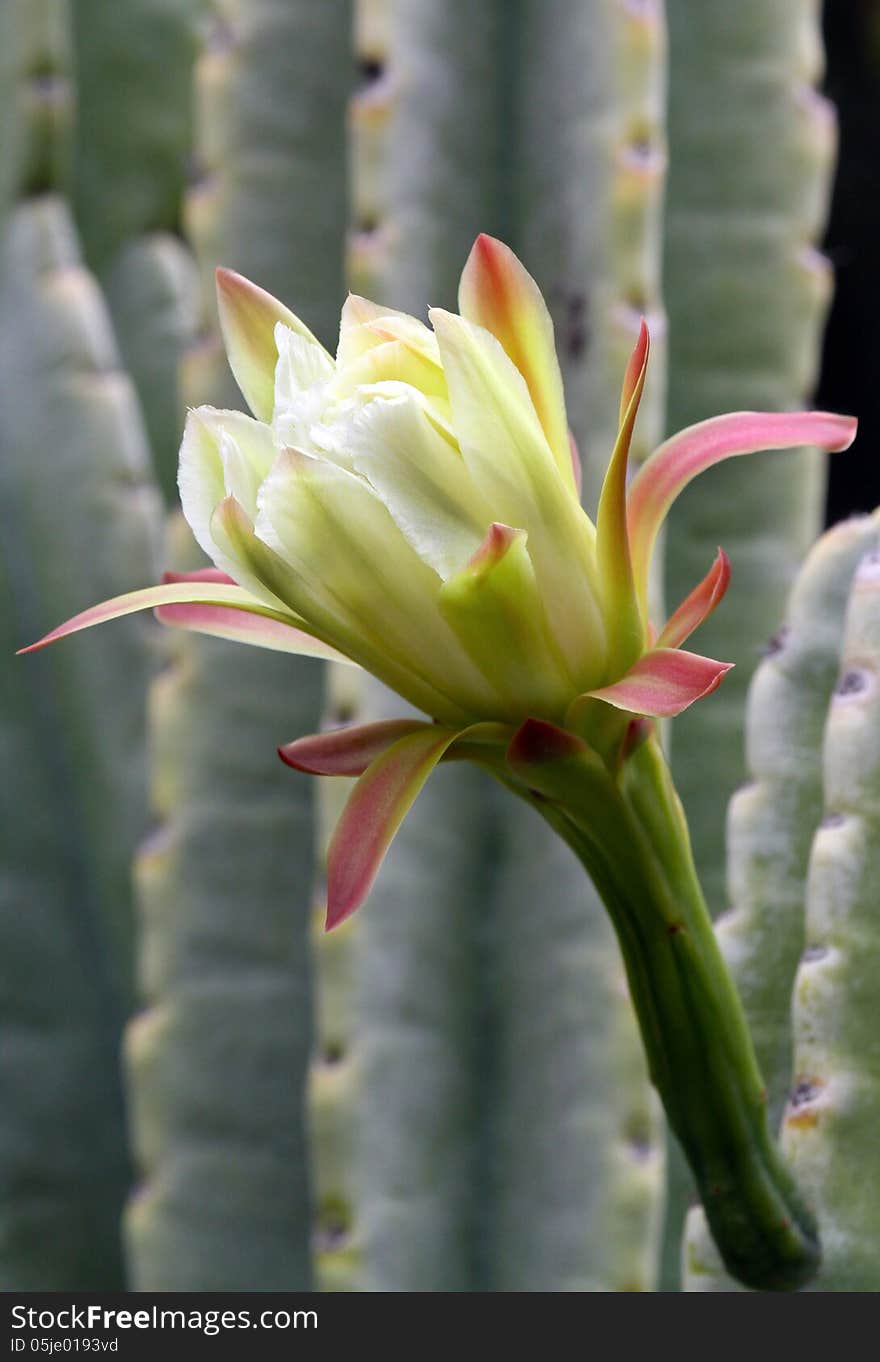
x=216, y=1057
x=134, y=63
x=37, y=146
x=772, y=819
x=152, y=290
x=752, y=150
x=79, y=523
x=771, y=822
x=831, y=1122
x=218, y=1062
x=495, y=1136
x=588, y=184
x=335, y=1073
x=268, y=193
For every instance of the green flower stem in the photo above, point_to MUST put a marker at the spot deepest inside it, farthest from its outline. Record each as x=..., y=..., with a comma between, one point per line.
x=630, y=834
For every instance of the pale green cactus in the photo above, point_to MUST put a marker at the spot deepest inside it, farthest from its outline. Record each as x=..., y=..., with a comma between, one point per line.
x=830, y=1126
x=479, y=1111
x=217, y=1062
x=152, y=289
x=132, y=148
x=587, y=176
x=772, y=818
x=134, y=62
x=38, y=66
x=216, y=1058
x=751, y=158
x=461, y=1003
x=78, y=516
x=781, y=855
x=74, y=737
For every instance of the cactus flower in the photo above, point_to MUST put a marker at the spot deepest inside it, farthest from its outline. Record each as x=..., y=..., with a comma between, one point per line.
x=411, y=506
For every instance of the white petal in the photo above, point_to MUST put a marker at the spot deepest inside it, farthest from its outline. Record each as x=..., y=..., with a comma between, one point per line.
x=302, y=375
x=422, y=480
x=223, y=452
x=334, y=531
x=511, y=463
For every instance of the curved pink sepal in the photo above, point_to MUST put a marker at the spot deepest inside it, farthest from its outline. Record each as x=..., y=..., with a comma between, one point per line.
x=663, y=683
x=375, y=810
x=348, y=751
x=671, y=467
x=634, y=376
x=537, y=742
x=149, y=598
x=243, y=626
x=698, y=606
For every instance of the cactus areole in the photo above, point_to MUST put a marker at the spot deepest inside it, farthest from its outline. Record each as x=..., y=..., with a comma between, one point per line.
x=411, y=507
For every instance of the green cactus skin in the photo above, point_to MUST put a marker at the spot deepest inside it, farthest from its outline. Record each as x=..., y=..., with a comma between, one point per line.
x=772, y=819
x=152, y=290
x=771, y=822
x=751, y=152
x=134, y=118
x=588, y=185
x=427, y=146
x=484, y=1122
x=831, y=1123
x=79, y=523
x=216, y=1059
x=269, y=194
x=134, y=61
x=38, y=135
x=394, y=1125
x=269, y=202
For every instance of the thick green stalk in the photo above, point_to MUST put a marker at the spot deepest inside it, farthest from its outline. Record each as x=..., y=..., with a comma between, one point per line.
x=751, y=149
x=631, y=836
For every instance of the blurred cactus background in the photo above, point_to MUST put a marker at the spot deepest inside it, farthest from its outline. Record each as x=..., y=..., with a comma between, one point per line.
x=200, y=1089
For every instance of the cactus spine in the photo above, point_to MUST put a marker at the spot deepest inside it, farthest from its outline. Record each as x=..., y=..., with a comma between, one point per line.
x=484, y=1137
x=751, y=152
x=230, y=949
x=771, y=822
